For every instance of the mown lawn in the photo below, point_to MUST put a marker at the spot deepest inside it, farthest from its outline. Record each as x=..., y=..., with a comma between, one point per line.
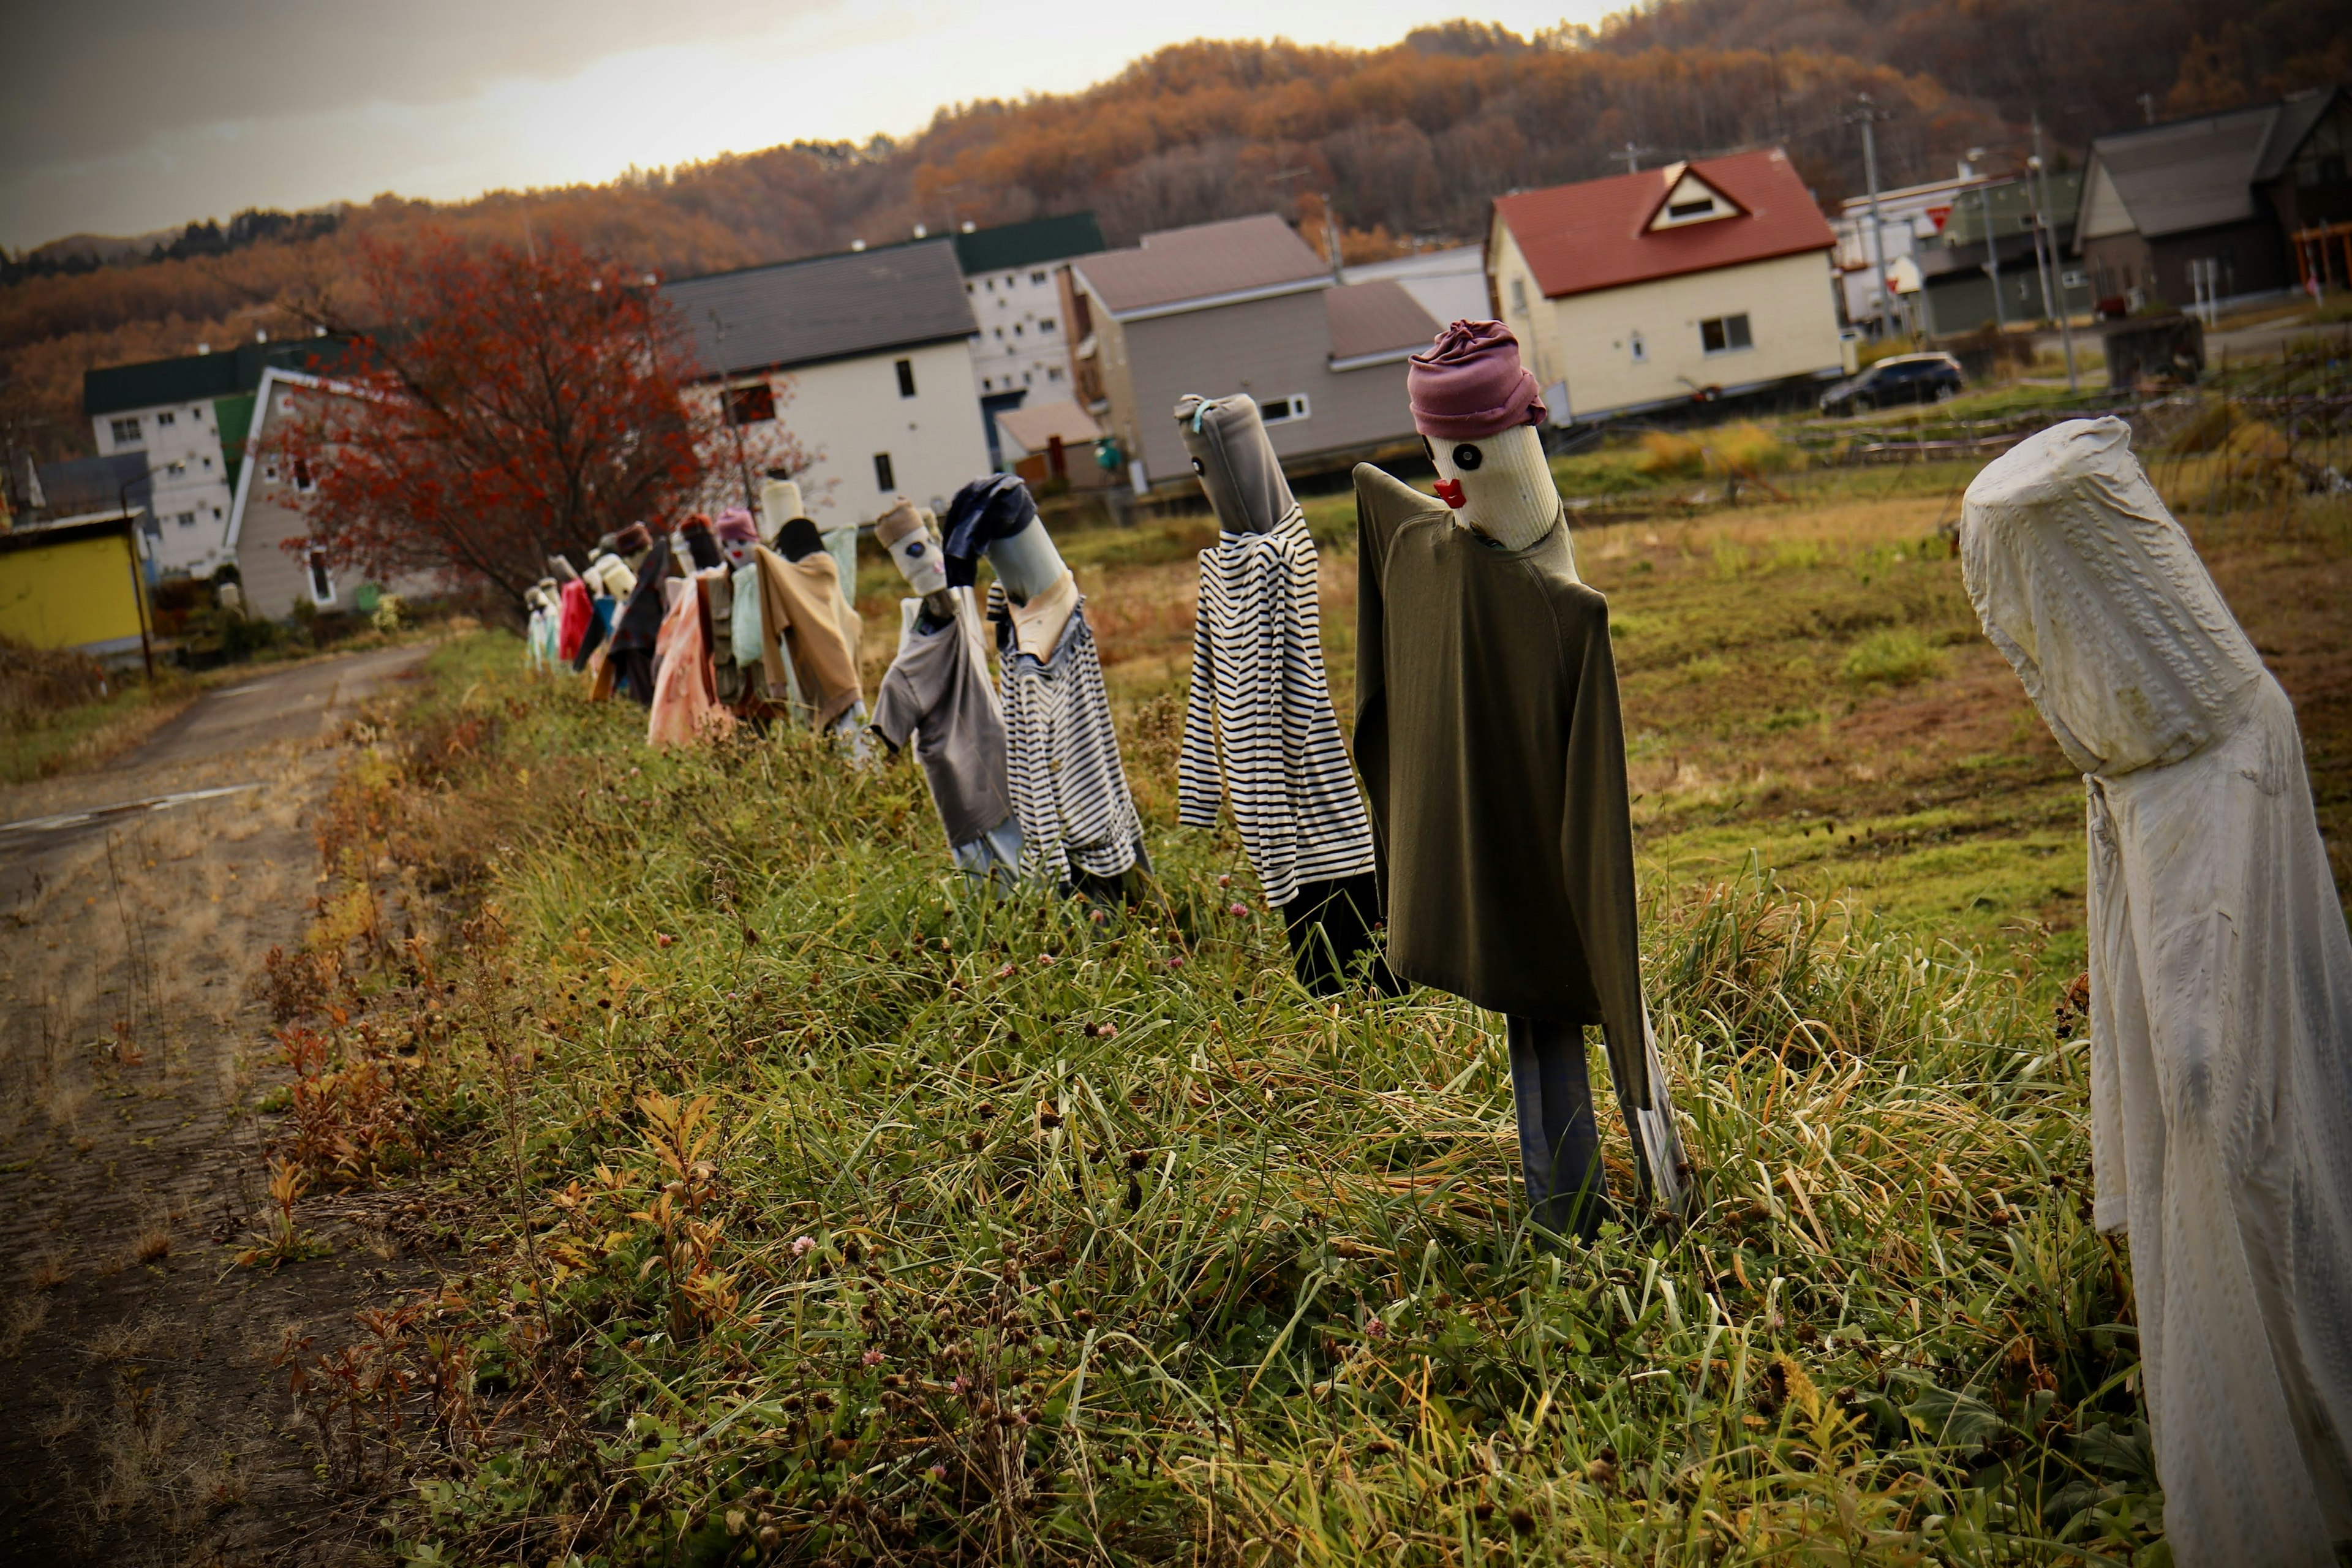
x=809, y=1205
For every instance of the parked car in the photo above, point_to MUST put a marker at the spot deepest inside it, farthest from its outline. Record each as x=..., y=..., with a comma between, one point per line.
x=1905, y=378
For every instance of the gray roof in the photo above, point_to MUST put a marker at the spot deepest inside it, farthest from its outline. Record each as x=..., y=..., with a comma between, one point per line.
x=828, y=308
x=78, y=485
x=2198, y=173
x=1378, y=317
x=1207, y=263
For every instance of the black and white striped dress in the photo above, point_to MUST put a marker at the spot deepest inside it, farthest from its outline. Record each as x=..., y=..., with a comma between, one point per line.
x=1260, y=701
x=1070, y=790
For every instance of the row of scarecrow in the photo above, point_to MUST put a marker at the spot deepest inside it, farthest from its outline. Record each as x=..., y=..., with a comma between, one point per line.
x=1478, y=840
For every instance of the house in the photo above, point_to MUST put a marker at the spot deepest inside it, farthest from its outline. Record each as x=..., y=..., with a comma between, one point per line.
x=1705, y=280
x=1991, y=229
x=1023, y=351
x=1450, y=284
x=268, y=534
x=2209, y=205
x=1042, y=442
x=1241, y=306
x=1910, y=219
x=186, y=419
x=864, y=357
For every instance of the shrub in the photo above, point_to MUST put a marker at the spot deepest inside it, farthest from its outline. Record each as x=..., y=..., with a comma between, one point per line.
x=1665, y=452
x=1898, y=657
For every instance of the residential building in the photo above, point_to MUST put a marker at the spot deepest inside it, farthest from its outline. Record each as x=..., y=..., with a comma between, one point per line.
x=1450, y=284
x=1910, y=219
x=864, y=356
x=1042, y=442
x=278, y=571
x=1989, y=229
x=2209, y=205
x=1023, y=350
x=186, y=419
x=1241, y=306
x=1698, y=280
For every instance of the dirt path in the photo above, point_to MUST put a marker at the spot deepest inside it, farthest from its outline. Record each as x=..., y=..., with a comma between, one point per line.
x=136, y=903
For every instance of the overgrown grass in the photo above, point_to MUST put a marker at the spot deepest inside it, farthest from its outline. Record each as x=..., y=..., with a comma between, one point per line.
x=822, y=1208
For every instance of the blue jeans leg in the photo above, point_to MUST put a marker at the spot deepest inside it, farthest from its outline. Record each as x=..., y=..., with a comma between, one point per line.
x=1560, y=1142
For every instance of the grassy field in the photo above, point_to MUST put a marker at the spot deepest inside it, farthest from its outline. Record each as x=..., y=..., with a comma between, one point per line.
x=802, y=1205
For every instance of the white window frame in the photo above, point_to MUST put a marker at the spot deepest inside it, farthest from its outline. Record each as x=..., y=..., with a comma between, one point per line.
x=1640, y=346
x=314, y=562
x=127, y=432
x=164, y=418
x=1295, y=409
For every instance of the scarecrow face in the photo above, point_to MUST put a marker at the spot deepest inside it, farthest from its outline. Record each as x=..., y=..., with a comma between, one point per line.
x=738, y=551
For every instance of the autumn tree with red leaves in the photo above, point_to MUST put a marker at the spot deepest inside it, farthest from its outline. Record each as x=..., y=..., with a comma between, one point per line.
x=503, y=405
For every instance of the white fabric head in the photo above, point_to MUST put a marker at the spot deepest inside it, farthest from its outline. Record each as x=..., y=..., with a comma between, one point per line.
x=779, y=502
x=900, y=531
x=2096, y=596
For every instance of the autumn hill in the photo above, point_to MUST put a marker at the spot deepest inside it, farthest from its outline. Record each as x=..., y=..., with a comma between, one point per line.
x=1411, y=140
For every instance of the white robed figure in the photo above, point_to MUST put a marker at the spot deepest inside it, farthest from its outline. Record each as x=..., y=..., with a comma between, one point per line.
x=2220, y=990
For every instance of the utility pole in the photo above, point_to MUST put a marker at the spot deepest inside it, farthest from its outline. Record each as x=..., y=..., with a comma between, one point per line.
x=1867, y=114
x=1993, y=258
x=2057, y=263
x=1632, y=156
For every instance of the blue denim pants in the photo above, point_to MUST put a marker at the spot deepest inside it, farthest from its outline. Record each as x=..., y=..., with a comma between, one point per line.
x=1559, y=1142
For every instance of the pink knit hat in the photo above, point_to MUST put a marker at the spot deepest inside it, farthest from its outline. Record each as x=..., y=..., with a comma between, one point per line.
x=1469, y=384
x=735, y=523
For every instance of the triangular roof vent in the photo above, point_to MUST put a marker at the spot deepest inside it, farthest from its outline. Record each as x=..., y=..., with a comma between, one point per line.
x=1689, y=199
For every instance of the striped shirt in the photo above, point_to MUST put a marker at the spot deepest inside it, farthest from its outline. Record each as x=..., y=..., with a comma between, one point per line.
x=1259, y=703
x=1070, y=791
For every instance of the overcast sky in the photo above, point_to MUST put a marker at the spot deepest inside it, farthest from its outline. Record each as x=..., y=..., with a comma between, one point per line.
x=127, y=116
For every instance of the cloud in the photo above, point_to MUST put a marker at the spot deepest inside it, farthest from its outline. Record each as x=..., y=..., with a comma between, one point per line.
x=208, y=109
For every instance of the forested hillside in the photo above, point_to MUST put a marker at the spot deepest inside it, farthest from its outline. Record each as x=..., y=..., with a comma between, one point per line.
x=1409, y=142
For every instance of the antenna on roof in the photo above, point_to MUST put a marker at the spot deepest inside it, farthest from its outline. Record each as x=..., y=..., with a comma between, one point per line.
x=1632, y=156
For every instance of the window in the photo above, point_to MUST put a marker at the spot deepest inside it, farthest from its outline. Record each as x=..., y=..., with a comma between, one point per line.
x=302, y=480
x=1016, y=329
x=1519, y=296
x=208, y=462
x=986, y=385
x=269, y=472
x=1024, y=378
x=906, y=381
x=186, y=520
x=1677, y=211
x=753, y=405
x=885, y=479
x=197, y=414
x=1641, y=349
x=126, y=431
x=1000, y=334
x=1038, y=275
x=165, y=419
x=1044, y=323
x=1724, y=335
x=1053, y=373
x=322, y=586
x=1283, y=410
x=989, y=284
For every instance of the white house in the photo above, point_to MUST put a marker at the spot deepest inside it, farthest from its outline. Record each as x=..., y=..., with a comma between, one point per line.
x=187, y=419
x=864, y=357
x=1021, y=352
x=1698, y=280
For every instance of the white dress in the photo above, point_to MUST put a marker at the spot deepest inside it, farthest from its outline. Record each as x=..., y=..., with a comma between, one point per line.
x=2220, y=990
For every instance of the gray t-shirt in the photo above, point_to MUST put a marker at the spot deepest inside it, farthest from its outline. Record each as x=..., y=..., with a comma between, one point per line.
x=936, y=692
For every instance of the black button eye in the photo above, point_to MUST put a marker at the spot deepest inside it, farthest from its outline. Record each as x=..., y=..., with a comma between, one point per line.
x=1197, y=466
x=1466, y=457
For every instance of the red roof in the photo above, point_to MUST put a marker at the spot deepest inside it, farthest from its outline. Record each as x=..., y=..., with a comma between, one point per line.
x=1595, y=235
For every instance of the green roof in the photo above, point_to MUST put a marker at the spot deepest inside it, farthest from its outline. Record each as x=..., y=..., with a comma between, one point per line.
x=1016, y=245
x=192, y=378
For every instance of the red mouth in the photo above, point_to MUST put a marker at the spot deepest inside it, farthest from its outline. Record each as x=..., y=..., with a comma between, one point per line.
x=1450, y=492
